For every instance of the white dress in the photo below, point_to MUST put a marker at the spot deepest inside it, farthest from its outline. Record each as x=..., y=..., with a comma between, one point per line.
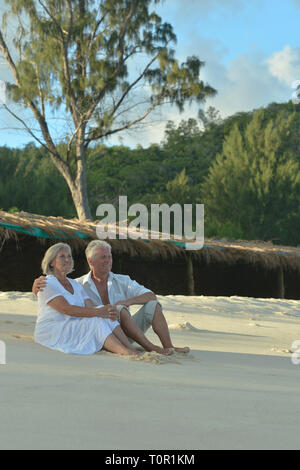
x=71, y=335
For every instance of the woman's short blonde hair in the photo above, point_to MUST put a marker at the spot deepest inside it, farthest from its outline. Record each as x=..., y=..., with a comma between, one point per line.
x=93, y=246
x=51, y=254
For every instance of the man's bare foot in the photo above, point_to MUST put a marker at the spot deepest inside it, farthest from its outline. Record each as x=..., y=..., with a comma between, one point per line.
x=164, y=351
x=184, y=350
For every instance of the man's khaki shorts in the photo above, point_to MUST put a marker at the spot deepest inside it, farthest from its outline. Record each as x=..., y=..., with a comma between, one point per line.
x=144, y=316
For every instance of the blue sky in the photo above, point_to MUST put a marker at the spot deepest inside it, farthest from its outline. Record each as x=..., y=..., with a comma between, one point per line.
x=268, y=25
x=251, y=51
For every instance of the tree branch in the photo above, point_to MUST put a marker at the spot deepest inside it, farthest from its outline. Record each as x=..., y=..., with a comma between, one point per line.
x=40, y=119
x=122, y=128
x=25, y=126
x=42, y=102
x=121, y=61
x=133, y=84
x=65, y=43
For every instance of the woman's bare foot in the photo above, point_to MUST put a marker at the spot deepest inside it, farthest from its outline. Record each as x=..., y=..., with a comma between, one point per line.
x=134, y=352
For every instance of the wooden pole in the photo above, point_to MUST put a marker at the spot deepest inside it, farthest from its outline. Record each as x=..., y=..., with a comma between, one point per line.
x=117, y=264
x=190, y=273
x=280, y=282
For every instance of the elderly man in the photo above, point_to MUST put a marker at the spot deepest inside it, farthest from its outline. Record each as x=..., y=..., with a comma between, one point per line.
x=120, y=291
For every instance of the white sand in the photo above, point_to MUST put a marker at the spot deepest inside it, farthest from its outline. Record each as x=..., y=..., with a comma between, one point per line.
x=237, y=389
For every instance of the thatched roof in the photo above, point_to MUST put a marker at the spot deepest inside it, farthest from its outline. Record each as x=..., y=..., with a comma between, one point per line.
x=78, y=234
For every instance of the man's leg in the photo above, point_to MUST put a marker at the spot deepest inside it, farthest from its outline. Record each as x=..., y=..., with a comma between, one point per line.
x=160, y=327
x=133, y=331
x=144, y=316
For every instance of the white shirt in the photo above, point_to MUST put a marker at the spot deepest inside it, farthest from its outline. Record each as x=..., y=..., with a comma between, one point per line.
x=120, y=287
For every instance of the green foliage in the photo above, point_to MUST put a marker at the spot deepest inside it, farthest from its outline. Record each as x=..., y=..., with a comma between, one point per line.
x=245, y=169
x=254, y=184
x=28, y=182
x=13, y=210
x=227, y=229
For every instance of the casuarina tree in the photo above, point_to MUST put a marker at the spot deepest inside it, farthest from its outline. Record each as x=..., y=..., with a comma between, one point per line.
x=101, y=66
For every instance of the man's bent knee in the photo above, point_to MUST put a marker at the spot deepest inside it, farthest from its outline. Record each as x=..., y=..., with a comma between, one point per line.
x=152, y=304
x=150, y=309
x=120, y=308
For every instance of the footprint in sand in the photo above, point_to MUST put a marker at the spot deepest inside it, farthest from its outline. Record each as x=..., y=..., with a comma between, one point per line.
x=281, y=350
x=155, y=358
x=24, y=337
x=186, y=326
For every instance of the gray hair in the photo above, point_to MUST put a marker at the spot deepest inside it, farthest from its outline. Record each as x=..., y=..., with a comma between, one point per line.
x=51, y=254
x=93, y=246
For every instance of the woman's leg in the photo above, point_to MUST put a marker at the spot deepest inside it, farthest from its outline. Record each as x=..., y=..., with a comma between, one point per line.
x=119, y=333
x=131, y=329
x=112, y=344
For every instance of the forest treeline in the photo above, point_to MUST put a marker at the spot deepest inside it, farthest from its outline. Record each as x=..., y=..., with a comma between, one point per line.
x=244, y=169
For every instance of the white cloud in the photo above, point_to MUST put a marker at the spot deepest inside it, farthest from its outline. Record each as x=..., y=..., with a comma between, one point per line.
x=246, y=83
x=285, y=65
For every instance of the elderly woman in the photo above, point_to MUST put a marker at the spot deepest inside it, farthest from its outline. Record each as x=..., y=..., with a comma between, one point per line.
x=68, y=321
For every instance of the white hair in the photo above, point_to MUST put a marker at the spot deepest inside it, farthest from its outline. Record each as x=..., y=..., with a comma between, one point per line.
x=94, y=246
x=51, y=254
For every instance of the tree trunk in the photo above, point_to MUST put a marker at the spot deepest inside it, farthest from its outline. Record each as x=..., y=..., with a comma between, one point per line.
x=79, y=191
x=81, y=203
x=78, y=187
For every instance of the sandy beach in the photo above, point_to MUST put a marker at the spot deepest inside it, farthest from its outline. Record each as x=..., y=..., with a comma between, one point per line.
x=237, y=389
